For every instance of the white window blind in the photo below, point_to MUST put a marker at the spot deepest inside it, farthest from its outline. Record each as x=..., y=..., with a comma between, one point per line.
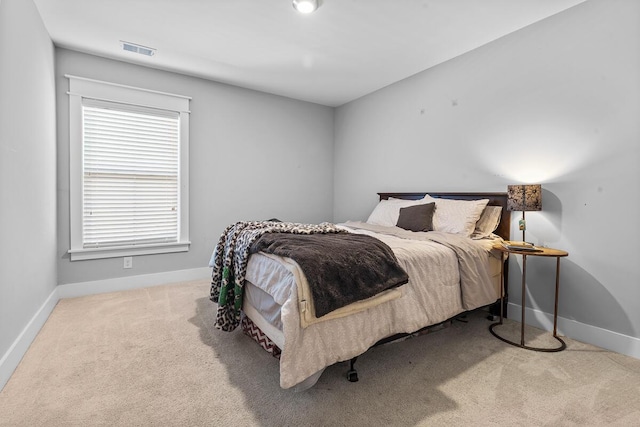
x=128, y=170
x=131, y=175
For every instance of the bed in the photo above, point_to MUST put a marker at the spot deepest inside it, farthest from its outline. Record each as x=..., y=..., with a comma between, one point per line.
x=449, y=273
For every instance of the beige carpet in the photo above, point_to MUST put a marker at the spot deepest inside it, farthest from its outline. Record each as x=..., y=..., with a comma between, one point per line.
x=152, y=357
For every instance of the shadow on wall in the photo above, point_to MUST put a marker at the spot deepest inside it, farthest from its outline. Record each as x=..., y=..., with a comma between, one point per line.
x=586, y=300
x=582, y=298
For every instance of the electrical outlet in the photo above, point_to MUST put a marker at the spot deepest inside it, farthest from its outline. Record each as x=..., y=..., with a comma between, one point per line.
x=128, y=262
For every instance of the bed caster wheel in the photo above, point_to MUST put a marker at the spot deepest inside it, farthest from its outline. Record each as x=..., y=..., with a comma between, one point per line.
x=352, y=376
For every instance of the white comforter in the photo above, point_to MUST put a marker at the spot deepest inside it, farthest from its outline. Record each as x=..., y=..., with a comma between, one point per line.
x=432, y=295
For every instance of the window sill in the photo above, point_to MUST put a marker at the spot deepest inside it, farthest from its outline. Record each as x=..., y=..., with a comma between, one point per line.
x=121, y=251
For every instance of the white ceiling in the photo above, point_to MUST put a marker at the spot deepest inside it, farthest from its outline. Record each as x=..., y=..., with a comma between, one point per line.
x=346, y=49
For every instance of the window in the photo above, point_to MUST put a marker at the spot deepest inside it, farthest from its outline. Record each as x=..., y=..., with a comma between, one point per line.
x=129, y=170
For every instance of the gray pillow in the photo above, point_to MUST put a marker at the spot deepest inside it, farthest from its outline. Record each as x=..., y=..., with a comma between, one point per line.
x=417, y=218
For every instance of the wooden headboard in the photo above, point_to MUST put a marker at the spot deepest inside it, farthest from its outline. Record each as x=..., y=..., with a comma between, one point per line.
x=495, y=199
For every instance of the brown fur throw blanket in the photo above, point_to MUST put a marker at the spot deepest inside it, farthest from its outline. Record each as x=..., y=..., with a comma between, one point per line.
x=340, y=268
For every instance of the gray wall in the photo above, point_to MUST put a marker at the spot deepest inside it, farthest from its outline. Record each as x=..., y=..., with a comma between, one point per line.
x=556, y=103
x=252, y=156
x=27, y=168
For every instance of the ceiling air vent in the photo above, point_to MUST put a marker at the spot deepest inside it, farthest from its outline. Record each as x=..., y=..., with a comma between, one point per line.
x=136, y=48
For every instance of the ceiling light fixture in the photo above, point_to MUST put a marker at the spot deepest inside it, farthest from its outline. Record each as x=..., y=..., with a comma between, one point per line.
x=305, y=6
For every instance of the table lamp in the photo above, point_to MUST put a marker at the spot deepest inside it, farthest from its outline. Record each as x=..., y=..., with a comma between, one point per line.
x=524, y=197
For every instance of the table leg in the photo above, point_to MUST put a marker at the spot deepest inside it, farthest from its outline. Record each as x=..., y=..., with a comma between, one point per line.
x=502, y=288
x=555, y=307
x=522, y=323
x=524, y=281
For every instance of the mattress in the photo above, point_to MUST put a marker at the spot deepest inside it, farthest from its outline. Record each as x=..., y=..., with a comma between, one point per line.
x=432, y=295
x=262, y=268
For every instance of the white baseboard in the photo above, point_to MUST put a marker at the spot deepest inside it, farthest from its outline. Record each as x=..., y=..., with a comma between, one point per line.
x=13, y=356
x=614, y=341
x=10, y=360
x=72, y=290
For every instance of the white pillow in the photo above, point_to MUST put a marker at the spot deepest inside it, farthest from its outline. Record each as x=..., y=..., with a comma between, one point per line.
x=387, y=212
x=488, y=222
x=456, y=216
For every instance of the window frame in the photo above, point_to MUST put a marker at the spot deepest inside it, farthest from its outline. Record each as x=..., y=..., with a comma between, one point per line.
x=80, y=88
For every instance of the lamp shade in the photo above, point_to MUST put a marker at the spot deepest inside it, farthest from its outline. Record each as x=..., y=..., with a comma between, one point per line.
x=524, y=197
